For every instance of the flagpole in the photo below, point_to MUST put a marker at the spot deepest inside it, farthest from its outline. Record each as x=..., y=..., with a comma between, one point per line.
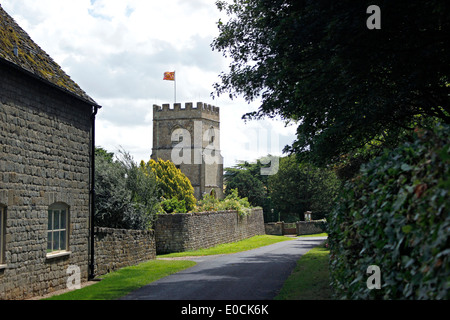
x=175, y=86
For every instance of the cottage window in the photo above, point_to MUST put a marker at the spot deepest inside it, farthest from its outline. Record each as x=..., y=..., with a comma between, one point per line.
x=57, y=232
x=2, y=233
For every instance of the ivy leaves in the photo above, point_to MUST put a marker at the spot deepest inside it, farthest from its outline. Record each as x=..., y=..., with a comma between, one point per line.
x=395, y=214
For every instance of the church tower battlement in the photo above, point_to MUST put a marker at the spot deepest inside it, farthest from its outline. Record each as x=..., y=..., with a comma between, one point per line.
x=200, y=110
x=189, y=136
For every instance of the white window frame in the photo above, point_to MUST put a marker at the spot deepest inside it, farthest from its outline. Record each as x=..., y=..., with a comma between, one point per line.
x=2, y=235
x=57, y=231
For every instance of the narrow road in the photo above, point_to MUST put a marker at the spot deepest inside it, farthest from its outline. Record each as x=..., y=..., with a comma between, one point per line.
x=257, y=274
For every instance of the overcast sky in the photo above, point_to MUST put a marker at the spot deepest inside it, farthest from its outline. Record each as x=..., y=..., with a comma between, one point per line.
x=118, y=51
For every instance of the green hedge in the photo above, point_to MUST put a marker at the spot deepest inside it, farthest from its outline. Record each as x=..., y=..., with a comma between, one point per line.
x=395, y=214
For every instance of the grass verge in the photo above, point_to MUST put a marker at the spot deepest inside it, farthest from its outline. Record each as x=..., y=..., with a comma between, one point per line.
x=314, y=235
x=119, y=283
x=310, y=278
x=228, y=248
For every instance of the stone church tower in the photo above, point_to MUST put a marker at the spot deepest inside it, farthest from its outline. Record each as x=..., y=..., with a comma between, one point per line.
x=189, y=136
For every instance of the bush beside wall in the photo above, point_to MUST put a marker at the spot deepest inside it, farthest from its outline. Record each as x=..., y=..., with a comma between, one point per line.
x=395, y=214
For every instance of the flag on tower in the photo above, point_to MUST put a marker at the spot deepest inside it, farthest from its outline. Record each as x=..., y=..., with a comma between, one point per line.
x=169, y=76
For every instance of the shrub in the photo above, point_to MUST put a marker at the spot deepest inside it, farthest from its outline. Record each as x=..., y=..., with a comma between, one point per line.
x=395, y=214
x=126, y=198
x=231, y=202
x=172, y=181
x=173, y=206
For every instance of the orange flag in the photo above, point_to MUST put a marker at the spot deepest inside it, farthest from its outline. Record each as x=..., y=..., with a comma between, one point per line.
x=169, y=76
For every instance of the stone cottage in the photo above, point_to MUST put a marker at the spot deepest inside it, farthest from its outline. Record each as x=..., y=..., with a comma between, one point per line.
x=46, y=138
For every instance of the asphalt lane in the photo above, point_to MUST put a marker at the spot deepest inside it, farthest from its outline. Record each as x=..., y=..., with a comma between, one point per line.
x=257, y=274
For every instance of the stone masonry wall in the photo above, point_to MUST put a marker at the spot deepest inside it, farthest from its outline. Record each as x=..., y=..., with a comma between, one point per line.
x=44, y=159
x=274, y=228
x=310, y=227
x=192, y=231
x=117, y=248
x=301, y=228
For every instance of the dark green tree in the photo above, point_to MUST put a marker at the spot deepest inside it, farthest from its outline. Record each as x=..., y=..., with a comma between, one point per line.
x=348, y=88
x=247, y=179
x=299, y=187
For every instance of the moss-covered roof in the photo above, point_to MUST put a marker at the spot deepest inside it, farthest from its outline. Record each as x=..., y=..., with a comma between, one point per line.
x=30, y=57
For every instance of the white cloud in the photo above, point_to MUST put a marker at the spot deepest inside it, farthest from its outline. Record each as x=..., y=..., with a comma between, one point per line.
x=118, y=50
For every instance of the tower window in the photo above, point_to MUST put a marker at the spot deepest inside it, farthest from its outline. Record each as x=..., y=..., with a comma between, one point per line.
x=177, y=136
x=212, y=135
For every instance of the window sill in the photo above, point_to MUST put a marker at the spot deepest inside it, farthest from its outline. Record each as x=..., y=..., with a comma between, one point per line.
x=58, y=254
x=3, y=266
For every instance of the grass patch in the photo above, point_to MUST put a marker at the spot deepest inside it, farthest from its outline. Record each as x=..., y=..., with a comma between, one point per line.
x=314, y=235
x=119, y=283
x=228, y=248
x=310, y=278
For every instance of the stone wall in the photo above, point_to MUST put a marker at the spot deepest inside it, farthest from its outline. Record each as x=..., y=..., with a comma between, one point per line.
x=274, y=228
x=310, y=227
x=44, y=159
x=192, y=231
x=117, y=248
x=301, y=228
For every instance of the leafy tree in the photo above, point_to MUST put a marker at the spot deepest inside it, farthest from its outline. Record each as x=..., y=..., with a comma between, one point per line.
x=174, y=184
x=348, y=88
x=104, y=154
x=299, y=187
x=126, y=198
x=246, y=178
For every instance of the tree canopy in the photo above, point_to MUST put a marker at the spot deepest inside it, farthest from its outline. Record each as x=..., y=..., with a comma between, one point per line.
x=295, y=188
x=247, y=179
x=298, y=187
x=347, y=87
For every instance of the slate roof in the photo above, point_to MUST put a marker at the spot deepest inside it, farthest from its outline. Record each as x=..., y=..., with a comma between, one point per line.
x=30, y=57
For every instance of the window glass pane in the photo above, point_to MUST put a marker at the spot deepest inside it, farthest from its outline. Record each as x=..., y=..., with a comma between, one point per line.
x=63, y=219
x=50, y=223
x=56, y=241
x=55, y=219
x=1, y=227
x=58, y=219
x=63, y=240
x=49, y=241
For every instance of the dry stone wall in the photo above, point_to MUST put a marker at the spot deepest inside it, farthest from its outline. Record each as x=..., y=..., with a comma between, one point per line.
x=301, y=228
x=118, y=248
x=192, y=231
